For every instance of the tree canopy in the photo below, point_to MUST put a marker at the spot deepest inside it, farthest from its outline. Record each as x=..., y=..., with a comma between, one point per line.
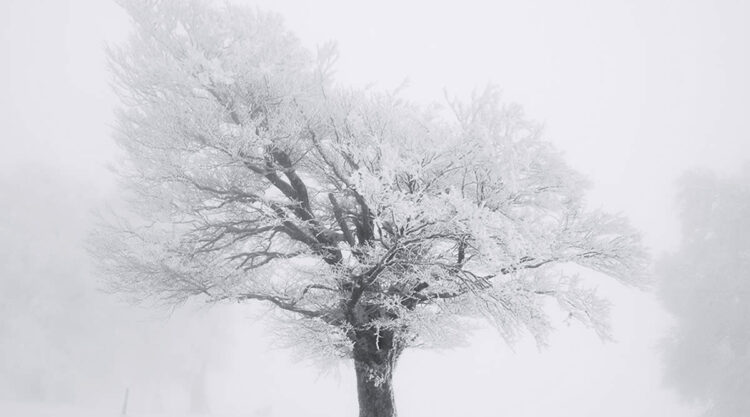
x=705, y=285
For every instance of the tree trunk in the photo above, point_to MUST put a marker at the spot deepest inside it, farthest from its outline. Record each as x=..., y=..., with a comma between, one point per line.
x=375, y=358
x=375, y=390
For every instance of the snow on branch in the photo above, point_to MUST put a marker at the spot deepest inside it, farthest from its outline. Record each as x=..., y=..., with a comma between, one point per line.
x=252, y=177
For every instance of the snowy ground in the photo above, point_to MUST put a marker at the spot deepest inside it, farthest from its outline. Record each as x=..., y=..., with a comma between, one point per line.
x=16, y=409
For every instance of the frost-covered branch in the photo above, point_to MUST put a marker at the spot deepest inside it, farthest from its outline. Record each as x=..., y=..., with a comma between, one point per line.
x=250, y=176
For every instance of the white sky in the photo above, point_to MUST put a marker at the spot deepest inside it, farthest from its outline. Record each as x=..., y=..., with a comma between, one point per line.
x=634, y=92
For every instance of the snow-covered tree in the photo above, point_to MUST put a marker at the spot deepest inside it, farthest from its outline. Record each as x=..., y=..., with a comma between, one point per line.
x=372, y=223
x=705, y=284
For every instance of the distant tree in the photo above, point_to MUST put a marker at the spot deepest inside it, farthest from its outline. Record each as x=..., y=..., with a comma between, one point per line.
x=57, y=342
x=372, y=223
x=706, y=284
x=44, y=298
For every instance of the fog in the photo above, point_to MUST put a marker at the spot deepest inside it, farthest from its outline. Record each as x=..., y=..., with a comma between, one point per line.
x=635, y=93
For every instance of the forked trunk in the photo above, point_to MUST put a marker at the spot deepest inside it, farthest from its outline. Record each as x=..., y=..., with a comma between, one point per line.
x=375, y=356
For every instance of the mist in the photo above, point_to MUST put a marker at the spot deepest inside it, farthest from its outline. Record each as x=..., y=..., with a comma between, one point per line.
x=633, y=93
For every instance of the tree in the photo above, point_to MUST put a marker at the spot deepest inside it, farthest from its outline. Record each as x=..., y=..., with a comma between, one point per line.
x=36, y=312
x=705, y=285
x=374, y=224
x=56, y=338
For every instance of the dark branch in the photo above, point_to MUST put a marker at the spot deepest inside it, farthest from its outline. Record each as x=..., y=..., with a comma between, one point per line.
x=339, y=214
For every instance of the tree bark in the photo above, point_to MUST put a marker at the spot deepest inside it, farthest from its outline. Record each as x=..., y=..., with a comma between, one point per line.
x=375, y=358
x=375, y=390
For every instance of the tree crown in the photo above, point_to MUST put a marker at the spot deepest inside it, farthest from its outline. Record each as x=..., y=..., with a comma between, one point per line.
x=256, y=177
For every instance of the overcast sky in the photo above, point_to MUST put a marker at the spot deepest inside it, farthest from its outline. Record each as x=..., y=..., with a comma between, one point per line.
x=634, y=92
